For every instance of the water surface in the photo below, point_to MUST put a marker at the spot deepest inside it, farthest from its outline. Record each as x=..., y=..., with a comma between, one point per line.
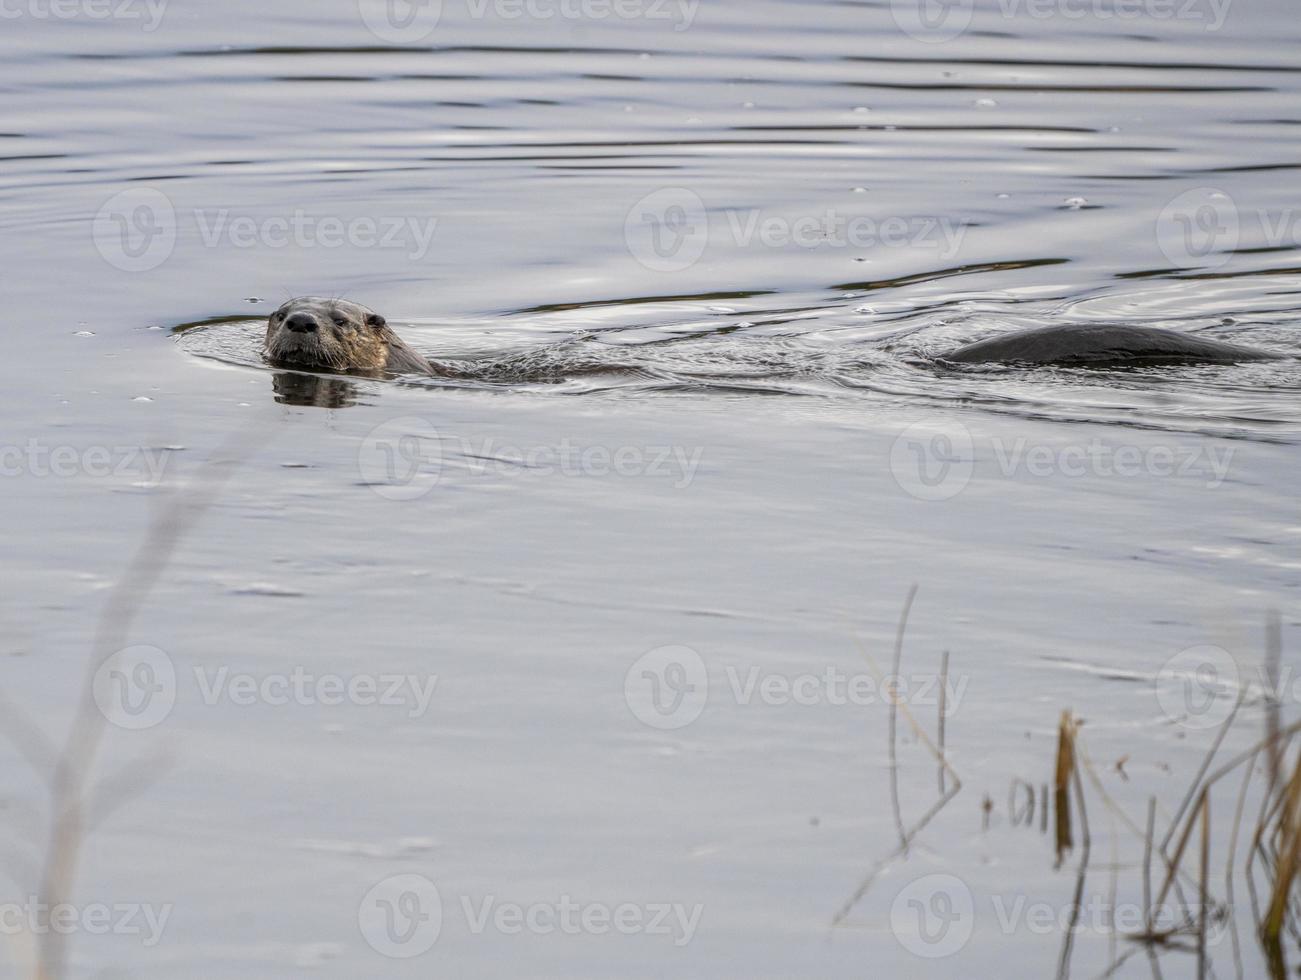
x=701, y=265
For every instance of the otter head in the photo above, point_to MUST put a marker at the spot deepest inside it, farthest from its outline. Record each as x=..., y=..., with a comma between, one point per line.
x=327, y=333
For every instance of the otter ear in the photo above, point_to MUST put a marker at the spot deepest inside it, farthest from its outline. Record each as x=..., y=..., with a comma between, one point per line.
x=376, y=321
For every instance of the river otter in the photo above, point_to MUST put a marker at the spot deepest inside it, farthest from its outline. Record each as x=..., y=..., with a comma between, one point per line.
x=335, y=335
x=1103, y=345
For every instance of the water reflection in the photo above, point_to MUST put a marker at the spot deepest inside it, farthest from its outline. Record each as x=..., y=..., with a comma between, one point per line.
x=313, y=391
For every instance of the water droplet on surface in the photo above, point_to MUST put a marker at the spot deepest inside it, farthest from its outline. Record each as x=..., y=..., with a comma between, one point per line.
x=416, y=844
x=267, y=590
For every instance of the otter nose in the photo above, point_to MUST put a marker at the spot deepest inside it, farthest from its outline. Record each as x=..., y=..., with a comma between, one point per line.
x=301, y=323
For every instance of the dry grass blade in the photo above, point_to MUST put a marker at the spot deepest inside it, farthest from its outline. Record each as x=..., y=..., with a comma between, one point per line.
x=70, y=814
x=1070, y=725
x=1066, y=733
x=1204, y=904
x=1273, y=656
x=894, y=718
x=1288, y=841
x=944, y=711
x=906, y=840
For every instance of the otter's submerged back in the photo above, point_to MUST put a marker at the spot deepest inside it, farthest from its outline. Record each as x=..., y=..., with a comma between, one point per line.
x=1103, y=344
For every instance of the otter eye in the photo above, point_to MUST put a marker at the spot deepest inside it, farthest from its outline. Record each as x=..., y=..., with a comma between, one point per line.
x=340, y=321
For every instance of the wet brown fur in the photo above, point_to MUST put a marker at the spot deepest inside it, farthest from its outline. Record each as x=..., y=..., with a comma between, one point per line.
x=346, y=337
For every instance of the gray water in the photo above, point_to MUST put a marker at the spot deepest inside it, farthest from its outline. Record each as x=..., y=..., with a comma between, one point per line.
x=625, y=573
